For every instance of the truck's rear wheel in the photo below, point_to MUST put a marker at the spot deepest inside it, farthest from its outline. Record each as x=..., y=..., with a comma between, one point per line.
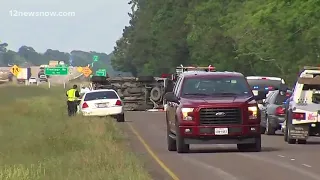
x=289, y=140
x=253, y=147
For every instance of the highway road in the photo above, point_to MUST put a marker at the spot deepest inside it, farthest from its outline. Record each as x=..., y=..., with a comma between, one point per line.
x=53, y=79
x=278, y=160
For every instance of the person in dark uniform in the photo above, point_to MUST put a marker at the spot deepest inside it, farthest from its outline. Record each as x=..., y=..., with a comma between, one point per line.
x=72, y=102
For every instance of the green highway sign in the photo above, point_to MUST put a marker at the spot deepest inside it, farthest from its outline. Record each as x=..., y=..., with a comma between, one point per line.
x=62, y=71
x=61, y=65
x=101, y=72
x=95, y=58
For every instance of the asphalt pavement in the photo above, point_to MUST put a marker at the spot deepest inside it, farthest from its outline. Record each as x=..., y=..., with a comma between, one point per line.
x=278, y=160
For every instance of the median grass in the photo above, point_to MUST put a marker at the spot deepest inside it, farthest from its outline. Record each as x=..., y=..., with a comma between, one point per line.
x=39, y=141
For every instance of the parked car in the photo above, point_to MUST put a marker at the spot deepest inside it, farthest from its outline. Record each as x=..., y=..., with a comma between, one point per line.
x=102, y=102
x=273, y=111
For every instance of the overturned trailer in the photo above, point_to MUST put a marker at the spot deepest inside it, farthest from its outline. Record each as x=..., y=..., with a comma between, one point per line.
x=137, y=94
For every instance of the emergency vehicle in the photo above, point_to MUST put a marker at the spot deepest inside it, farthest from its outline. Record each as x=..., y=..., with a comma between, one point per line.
x=303, y=108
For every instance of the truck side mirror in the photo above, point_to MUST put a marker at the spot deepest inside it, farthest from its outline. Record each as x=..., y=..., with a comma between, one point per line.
x=169, y=96
x=260, y=96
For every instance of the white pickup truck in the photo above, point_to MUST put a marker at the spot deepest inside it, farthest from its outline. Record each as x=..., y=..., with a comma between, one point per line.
x=303, y=110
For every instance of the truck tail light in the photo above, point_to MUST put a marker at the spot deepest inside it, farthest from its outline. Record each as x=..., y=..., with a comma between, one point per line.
x=279, y=110
x=299, y=116
x=253, y=112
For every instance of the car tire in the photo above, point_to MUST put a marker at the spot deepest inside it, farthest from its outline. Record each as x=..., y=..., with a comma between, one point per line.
x=301, y=141
x=262, y=130
x=285, y=136
x=181, y=146
x=120, y=118
x=171, y=143
x=253, y=147
x=269, y=130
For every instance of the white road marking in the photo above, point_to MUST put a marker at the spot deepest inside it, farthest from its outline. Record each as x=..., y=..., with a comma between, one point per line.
x=281, y=156
x=214, y=170
x=311, y=175
x=306, y=165
x=292, y=159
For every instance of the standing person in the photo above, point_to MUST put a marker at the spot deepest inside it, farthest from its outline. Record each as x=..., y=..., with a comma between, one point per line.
x=72, y=103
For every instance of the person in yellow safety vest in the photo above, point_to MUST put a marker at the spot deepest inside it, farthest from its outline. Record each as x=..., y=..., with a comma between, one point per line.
x=72, y=103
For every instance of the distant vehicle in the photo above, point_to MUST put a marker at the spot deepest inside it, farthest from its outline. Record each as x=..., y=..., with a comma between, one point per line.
x=33, y=80
x=264, y=84
x=43, y=66
x=302, y=112
x=273, y=111
x=43, y=78
x=212, y=108
x=23, y=75
x=102, y=102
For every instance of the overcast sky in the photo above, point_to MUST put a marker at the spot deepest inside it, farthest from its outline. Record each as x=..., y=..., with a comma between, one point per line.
x=96, y=26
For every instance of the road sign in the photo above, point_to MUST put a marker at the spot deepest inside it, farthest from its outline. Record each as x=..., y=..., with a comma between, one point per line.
x=79, y=69
x=62, y=71
x=86, y=71
x=101, y=72
x=95, y=58
x=15, y=70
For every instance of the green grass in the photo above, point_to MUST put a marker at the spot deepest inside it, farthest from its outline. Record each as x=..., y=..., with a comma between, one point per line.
x=39, y=141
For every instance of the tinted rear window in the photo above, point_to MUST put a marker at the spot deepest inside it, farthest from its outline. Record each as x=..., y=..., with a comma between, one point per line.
x=264, y=84
x=281, y=98
x=100, y=95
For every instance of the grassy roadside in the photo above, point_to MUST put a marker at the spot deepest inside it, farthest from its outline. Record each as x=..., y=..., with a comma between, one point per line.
x=39, y=141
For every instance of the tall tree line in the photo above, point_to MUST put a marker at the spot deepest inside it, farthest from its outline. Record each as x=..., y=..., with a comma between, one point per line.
x=255, y=37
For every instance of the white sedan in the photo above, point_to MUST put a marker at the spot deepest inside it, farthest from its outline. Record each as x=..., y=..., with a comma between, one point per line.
x=102, y=102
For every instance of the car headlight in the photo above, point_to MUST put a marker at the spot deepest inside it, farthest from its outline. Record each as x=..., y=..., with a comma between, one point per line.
x=186, y=114
x=253, y=112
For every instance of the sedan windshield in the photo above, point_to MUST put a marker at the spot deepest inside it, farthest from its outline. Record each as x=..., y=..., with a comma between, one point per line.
x=215, y=86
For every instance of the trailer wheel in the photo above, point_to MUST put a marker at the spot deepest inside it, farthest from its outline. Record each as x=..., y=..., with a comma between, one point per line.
x=155, y=93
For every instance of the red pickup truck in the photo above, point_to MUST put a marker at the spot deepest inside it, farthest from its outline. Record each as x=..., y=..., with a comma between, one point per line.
x=212, y=108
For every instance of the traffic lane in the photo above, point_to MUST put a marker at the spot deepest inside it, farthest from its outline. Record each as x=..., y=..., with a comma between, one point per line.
x=303, y=154
x=149, y=163
x=143, y=123
x=219, y=161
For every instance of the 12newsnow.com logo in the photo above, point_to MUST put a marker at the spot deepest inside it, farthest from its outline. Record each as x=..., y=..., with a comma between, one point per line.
x=17, y=13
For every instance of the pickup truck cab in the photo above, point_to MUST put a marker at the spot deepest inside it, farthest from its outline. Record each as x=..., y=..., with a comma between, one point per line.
x=212, y=108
